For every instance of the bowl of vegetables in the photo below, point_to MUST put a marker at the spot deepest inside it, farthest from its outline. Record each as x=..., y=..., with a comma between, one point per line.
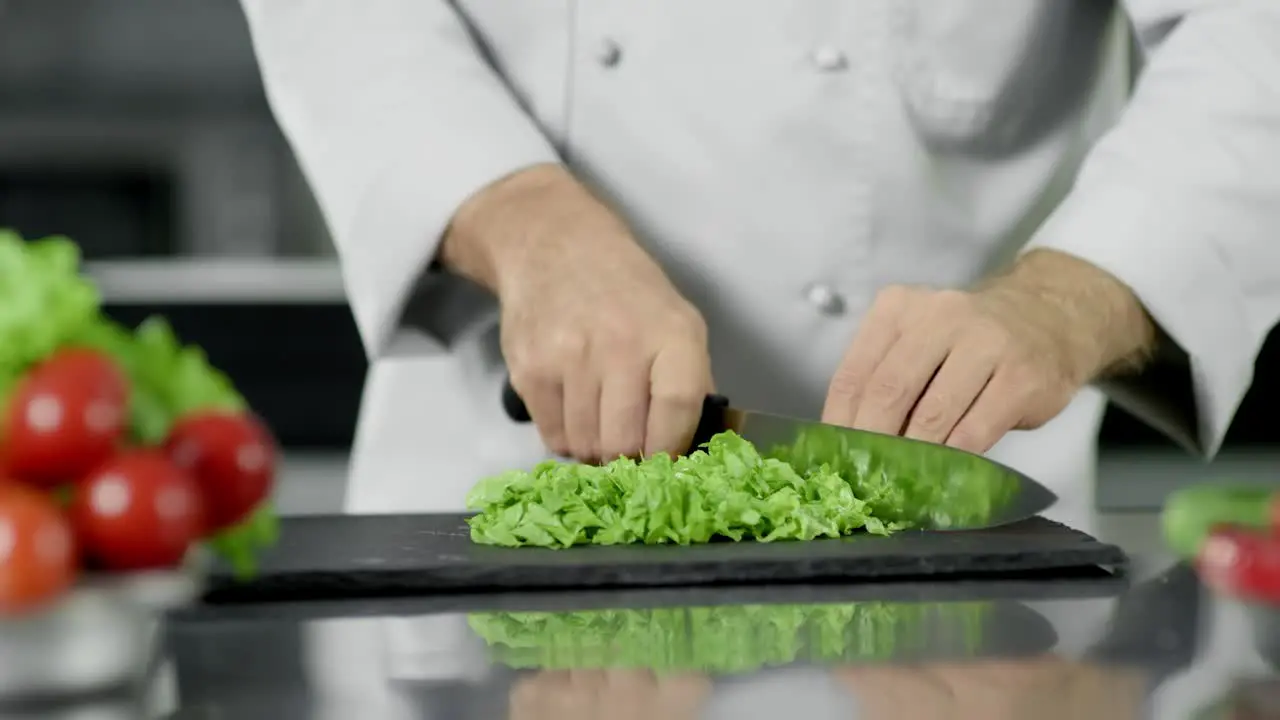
x=127, y=462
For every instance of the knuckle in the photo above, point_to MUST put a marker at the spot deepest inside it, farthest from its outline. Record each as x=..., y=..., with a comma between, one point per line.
x=527, y=374
x=689, y=325
x=931, y=414
x=887, y=391
x=952, y=298
x=566, y=345
x=972, y=437
x=620, y=344
x=991, y=336
x=843, y=385
x=894, y=294
x=1024, y=378
x=952, y=304
x=682, y=394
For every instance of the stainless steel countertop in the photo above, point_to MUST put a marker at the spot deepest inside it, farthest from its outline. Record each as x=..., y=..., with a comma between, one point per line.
x=1151, y=645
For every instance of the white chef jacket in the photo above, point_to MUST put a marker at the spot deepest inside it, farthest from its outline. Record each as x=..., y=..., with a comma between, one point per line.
x=783, y=161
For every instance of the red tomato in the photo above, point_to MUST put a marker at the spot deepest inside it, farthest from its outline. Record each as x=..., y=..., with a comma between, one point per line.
x=37, y=551
x=137, y=511
x=1243, y=563
x=89, y=365
x=233, y=458
x=65, y=417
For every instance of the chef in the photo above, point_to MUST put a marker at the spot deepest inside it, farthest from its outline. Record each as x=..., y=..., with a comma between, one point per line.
x=960, y=221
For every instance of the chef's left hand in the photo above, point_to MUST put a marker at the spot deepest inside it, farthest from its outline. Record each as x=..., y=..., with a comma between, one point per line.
x=965, y=367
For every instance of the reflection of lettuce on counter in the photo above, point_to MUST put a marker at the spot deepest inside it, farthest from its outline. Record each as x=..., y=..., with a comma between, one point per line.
x=823, y=485
x=729, y=639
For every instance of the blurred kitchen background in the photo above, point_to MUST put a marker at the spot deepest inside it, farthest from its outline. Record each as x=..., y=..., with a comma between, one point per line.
x=139, y=128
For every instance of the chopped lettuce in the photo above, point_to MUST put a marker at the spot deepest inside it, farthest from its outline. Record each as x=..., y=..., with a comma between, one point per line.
x=728, y=490
x=730, y=639
x=825, y=484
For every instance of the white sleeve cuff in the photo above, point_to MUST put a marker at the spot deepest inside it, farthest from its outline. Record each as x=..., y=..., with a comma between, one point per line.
x=1174, y=269
x=407, y=209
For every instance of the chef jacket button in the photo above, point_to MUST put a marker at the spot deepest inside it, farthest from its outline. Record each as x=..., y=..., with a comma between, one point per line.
x=829, y=59
x=825, y=299
x=608, y=53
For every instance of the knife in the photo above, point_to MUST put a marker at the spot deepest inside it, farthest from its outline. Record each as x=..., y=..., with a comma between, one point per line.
x=953, y=489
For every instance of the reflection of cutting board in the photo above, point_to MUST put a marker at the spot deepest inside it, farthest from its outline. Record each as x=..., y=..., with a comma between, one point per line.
x=364, y=556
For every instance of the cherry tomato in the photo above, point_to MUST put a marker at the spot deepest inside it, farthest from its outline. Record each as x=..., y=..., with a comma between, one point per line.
x=89, y=365
x=37, y=550
x=137, y=511
x=1241, y=562
x=65, y=417
x=233, y=458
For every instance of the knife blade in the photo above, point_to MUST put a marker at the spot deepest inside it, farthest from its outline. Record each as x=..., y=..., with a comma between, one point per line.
x=947, y=488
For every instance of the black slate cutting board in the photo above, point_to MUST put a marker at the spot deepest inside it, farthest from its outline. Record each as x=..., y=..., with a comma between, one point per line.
x=346, y=556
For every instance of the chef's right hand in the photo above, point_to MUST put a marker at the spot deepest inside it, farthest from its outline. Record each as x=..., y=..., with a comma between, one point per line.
x=609, y=358
x=612, y=694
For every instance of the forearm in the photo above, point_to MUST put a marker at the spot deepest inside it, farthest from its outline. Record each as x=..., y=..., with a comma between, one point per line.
x=496, y=219
x=497, y=233
x=1106, y=331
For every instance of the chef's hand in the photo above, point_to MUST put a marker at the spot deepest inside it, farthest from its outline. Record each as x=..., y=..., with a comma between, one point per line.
x=608, y=695
x=1043, y=688
x=965, y=367
x=608, y=357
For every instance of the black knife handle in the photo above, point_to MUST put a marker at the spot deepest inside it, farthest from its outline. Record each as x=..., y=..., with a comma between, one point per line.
x=514, y=404
x=710, y=422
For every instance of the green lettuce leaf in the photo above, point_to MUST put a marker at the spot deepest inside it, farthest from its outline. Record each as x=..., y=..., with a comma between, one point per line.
x=729, y=639
x=728, y=490
x=826, y=484
x=168, y=379
x=44, y=302
x=240, y=544
x=46, y=305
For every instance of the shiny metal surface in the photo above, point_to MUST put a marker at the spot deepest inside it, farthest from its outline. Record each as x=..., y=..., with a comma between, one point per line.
x=965, y=491
x=100, y=638
x=1151, y=645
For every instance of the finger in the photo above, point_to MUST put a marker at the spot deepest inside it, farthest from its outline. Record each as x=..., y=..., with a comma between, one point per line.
x=545, y=400
x=624, y=412
x=997, y=410
x=899, y=380
x=963, y=375
x=582, y=415
x=588, y=680
x=678, y=383
x=686, y=690
x=878, y=333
